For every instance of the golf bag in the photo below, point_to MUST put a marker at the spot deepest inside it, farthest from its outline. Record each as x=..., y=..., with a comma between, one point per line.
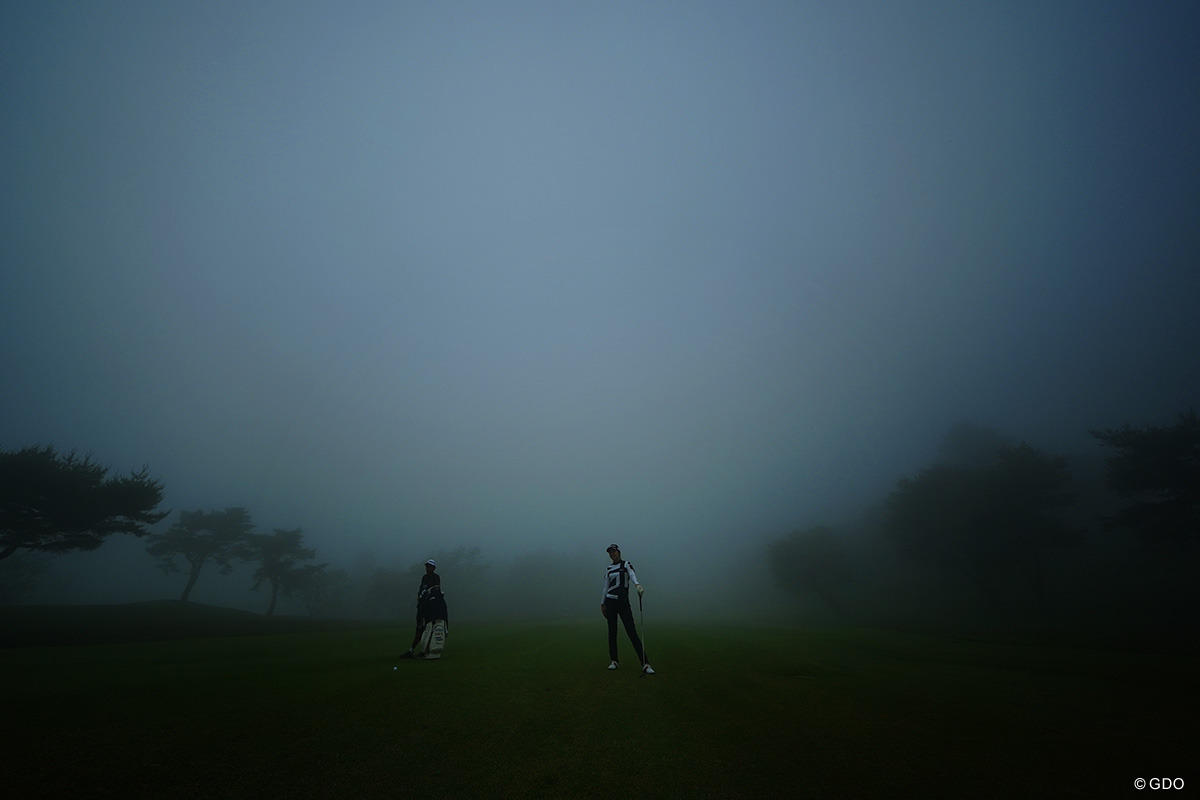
x=433, y=639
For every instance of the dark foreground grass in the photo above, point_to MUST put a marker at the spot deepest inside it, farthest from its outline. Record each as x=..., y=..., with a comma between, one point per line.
x=531, y=711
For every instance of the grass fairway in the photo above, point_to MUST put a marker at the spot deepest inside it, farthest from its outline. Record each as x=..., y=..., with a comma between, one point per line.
x=530, y=711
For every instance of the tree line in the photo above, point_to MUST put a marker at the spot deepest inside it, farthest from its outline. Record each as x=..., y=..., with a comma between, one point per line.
x=991, y=514
x=1004, y=519
x=54, y=503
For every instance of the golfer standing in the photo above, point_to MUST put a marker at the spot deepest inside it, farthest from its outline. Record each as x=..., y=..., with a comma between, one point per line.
x=431, y=586
x=614, y=602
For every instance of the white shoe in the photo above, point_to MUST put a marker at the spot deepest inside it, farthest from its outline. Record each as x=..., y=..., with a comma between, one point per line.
x=613, y=665
x=649, y=670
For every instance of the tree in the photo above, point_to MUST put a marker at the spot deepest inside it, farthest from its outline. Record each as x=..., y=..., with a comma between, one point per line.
x=986, y=520
x=318, y=589
x=1158, y=468
x=54, y=503
x=814, y=560
x=199, y=537
x=278, y=554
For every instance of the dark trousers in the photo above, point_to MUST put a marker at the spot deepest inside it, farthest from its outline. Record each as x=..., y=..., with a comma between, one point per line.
x=621, y=608
x=420, y=629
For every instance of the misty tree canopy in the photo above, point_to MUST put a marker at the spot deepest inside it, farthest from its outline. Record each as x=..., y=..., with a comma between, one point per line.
x=57, y=503
x=277, y=555
x=199, y=537
x=1159, y=468
x=814, y=560
x=985, y=520
x=319, y=589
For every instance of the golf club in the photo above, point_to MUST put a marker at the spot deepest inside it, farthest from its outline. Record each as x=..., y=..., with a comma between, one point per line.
x=642, y=623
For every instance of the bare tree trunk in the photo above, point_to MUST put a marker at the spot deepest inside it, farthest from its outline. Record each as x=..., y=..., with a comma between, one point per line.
x=187, y=590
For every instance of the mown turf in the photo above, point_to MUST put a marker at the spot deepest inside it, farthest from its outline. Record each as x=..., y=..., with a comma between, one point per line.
x=530, y=711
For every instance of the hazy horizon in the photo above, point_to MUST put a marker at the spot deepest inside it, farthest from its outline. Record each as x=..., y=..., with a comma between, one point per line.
x=531, y=276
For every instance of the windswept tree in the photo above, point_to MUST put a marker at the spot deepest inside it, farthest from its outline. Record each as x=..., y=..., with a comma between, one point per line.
x=985, y=521
x=278, y=554
x=200, y=537
x=54, y=503
x=813, y=561
x=1157, y=467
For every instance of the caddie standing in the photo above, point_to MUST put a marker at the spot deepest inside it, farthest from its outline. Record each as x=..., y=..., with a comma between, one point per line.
x=614, y=602
x=431, y=585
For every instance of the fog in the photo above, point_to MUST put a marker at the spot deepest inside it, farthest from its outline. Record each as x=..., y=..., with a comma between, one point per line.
x=536, y=277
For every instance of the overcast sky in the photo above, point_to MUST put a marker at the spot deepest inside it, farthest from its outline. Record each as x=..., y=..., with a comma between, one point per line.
x=551, y=274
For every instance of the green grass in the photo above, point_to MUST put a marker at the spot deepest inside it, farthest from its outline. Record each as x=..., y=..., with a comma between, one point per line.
x=530, y=711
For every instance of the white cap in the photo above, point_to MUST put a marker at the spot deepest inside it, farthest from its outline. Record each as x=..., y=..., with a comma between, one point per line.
x=431, y=563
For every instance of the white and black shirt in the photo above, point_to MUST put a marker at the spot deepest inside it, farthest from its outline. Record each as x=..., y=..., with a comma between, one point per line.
x=617, y=580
